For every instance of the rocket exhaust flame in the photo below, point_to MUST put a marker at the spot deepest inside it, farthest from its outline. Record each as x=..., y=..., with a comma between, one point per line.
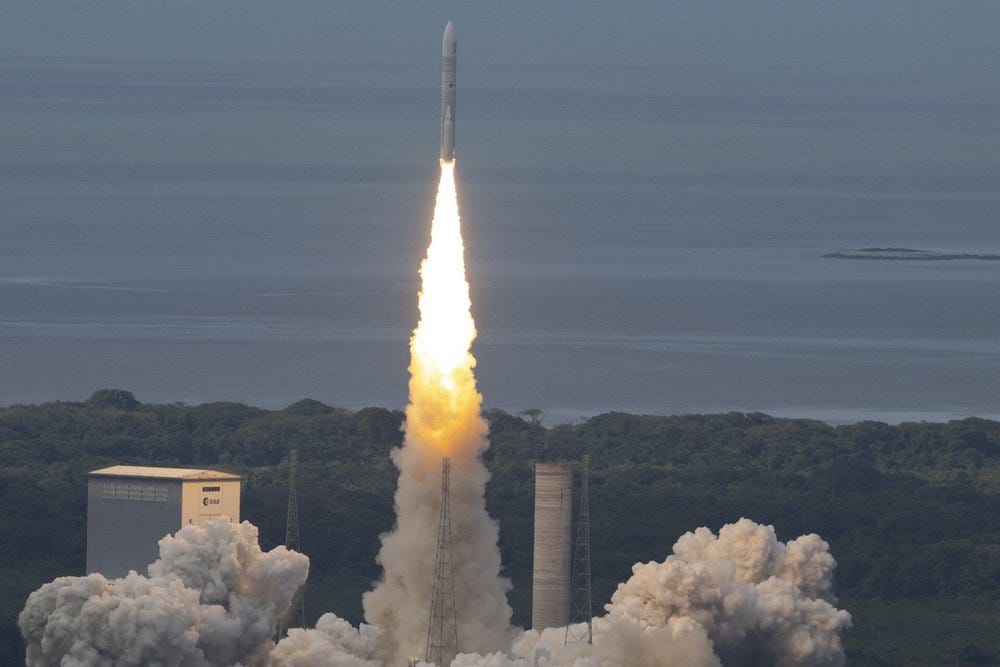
x=443, y=415
x=442, y=421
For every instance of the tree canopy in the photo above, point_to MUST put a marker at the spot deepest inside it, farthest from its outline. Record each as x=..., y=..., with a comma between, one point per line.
x=910, y=511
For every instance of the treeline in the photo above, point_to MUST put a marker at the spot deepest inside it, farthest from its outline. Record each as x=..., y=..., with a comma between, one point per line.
x=911, y=511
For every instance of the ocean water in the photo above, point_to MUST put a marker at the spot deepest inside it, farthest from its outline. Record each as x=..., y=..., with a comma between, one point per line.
x=644, y=239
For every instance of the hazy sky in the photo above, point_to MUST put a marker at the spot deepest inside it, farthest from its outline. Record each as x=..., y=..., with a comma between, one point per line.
x=208, y=156
x=861, y=33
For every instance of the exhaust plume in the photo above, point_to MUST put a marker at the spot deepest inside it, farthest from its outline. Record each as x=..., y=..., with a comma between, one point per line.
x=758, y=600
x=442, y=420
x=212, y=598
x=333, y=643
x=741, y=598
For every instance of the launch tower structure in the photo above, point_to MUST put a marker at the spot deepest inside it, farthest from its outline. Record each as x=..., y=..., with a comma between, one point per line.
x=580, y=601
x=297, y=613
x=442, y=629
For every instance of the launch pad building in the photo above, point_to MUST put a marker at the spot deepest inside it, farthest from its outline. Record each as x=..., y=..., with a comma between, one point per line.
x=129, y=508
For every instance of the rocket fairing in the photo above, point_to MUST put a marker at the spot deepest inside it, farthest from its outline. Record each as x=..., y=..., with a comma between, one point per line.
x=449, y=53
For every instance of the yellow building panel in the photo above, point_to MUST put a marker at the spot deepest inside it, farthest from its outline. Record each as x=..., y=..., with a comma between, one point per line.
x=206, y=499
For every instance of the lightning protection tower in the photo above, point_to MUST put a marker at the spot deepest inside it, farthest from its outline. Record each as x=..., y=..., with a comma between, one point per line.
x=442, y=630
x=297, y=613
x=580, y=602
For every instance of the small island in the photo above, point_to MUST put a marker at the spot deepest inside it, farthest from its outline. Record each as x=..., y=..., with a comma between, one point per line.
x=909, y=254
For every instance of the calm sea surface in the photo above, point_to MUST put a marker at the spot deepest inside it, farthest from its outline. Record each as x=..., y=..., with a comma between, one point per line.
x=637, y=239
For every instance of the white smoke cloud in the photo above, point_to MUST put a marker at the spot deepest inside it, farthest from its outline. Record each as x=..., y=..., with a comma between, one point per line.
x=401, y=600
x=333, y=643
x=759, y=601
x=741, y=597
x=212, y=598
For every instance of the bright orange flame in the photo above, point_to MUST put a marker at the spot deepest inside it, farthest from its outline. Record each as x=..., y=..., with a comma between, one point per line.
x=442, y=417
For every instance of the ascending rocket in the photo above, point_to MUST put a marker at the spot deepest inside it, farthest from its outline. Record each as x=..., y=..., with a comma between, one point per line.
x=449, y=53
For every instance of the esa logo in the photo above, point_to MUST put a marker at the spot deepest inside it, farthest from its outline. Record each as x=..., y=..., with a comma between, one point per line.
x=209, y=501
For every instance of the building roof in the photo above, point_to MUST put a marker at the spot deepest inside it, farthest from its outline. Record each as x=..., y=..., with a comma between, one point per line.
x=163, y=473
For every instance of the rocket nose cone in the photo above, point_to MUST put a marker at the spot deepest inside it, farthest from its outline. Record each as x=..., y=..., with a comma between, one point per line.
x=449, y=38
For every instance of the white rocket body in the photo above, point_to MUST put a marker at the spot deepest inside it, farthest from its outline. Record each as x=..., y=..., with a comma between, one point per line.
x=449, y=53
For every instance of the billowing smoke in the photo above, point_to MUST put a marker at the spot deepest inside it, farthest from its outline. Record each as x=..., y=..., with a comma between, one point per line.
x=212, y=598
x=741, y=597
x=442, y=420
x=333, y=643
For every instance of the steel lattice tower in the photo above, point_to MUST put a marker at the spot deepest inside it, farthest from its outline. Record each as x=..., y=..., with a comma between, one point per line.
x=297, y=613
x=442, y=629
x=580, y=603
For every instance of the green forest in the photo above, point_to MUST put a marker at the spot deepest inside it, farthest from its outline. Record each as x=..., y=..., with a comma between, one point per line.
x=910, y=511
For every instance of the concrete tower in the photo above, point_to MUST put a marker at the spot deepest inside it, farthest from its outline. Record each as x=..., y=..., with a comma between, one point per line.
x=553, y=524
